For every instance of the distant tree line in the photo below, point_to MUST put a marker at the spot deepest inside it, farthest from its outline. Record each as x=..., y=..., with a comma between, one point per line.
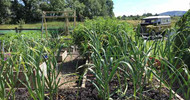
x=135, y=17
x=11, y=11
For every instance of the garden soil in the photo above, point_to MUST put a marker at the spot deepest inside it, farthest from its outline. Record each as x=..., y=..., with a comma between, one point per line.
x=70, y=91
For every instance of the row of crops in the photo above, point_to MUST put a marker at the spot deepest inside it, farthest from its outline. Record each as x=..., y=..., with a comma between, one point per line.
x=117, y=57
x=20, y=58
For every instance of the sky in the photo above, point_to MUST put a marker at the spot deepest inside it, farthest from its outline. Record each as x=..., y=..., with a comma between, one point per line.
x=134, y=7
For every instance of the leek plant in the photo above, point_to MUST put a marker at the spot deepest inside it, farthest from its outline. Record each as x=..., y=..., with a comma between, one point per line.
x=119, y=56
x=27, y=52
x=121, y=53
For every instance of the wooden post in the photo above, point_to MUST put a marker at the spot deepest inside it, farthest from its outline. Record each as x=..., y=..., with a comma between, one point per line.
x=16, y=29
x=74, y=18
x=3, y=50
x=67, y=23
x=0, y=47
x=45, y=25
x=66, y=16
x=42, y=29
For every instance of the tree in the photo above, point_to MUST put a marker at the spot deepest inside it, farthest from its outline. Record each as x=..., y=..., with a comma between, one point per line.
x=124, y=17
x=147, y=14
x=56, y=5
x=31, y=10
x=5, y=11
x=119, y=17
x=110, y=8
x=78, y=6
x=97, y=8
x=92, y=8
x=17, y=11
x=156, y=14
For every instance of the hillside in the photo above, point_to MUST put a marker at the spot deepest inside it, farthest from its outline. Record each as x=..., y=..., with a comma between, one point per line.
x=174, y=13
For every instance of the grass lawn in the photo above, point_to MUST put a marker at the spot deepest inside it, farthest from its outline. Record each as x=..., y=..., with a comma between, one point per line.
x=53, y=25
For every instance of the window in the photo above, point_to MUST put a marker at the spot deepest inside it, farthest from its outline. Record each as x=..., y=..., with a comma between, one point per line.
x=149, y=21
x=165, y=21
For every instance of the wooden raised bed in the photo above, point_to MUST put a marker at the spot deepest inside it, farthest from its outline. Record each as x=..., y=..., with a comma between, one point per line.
x=16, y=79
x=61, y=57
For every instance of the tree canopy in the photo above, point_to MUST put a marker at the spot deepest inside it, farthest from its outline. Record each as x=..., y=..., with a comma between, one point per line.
x=11, y=11
x=4, y=10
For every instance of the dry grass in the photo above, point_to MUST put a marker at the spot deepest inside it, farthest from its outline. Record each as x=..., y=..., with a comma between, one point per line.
x=136, y=22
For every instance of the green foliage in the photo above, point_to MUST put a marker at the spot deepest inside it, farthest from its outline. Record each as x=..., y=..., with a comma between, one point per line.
x=17, y=11
x=56, y=33
x=30, y=10
x=20, y=23
x=5, y=11
x=182, y=39
x=52, y=5
x=78, y=6
x=97, y=8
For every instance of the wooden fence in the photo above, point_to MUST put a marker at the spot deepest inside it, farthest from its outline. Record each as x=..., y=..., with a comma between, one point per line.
x=65, y=15
x=17, y=30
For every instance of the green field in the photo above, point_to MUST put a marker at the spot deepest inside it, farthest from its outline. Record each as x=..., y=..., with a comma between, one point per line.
x=54, y=24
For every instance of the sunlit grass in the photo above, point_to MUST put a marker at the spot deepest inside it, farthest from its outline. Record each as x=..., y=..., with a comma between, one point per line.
x=55, y=24
x=135, y=23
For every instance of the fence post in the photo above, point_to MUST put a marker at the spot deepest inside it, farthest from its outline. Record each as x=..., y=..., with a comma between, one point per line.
x=42, y=27
x=67, y=23
x=0, y=46
x=16, y=29
x=74, y=18
x=3, y=50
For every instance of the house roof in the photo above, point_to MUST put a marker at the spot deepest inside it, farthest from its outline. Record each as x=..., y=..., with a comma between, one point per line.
x=156, y=17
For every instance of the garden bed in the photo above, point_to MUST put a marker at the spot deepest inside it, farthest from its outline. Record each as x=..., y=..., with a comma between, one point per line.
x=16, y=79
x=70, y=89
x=89, y=92
x=61, y=57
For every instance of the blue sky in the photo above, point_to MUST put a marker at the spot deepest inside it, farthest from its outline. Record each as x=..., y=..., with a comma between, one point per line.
x=134, y=7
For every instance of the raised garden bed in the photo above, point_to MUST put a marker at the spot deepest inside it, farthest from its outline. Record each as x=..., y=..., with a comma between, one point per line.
x=16, y=79
x=62, y=56
x=89, y=92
